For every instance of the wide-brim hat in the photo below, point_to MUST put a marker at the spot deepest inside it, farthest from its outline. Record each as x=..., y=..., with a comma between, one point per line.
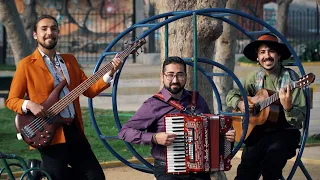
x=250, y=51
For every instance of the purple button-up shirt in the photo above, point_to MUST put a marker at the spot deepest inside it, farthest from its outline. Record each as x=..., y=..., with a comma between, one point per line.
x=149, y=119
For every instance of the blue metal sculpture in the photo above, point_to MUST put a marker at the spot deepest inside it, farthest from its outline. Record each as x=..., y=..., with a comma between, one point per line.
x=169, y=17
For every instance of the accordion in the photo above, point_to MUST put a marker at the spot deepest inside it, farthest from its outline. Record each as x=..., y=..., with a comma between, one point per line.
x=200, y=144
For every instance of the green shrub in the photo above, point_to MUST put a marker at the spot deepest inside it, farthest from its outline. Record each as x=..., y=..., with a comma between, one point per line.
x=311, y=52
x=244, y=59
x=7, y=67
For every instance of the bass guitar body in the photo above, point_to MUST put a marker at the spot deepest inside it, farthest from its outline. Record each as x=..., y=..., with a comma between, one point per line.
x=257, y=117
x=38, y=132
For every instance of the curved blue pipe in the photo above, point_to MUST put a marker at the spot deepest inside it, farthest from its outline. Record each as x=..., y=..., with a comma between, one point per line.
x=206, y=12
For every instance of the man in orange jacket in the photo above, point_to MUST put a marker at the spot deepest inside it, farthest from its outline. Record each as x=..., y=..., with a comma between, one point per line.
x=36, y=77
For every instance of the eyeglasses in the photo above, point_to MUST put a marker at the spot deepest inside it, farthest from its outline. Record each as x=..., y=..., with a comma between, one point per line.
x=180, y=76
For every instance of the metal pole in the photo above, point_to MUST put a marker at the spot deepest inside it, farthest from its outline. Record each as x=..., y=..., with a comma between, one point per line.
x=152, y=42
x=318, y=23
x=134, y=31
x=166, y=32
x=195, y=52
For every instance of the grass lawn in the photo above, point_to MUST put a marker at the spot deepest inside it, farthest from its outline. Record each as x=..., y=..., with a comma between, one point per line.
x=10, y=145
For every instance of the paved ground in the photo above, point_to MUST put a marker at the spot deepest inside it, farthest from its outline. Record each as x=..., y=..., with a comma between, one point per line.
x=311, y=160
x=138, y=82
x=125, y=173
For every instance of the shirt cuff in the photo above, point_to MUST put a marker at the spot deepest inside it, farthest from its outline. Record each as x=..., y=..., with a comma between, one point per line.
x=234, y=103
x=147, y=138
x=288, y=113
x=107, y=79
x=24, y=106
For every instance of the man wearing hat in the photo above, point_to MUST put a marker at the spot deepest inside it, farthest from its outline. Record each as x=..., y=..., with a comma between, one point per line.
x=270, y=145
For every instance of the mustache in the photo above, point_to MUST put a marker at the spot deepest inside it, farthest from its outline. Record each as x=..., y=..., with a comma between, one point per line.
x=268, y=59
x=178, y=84
x=50, y=37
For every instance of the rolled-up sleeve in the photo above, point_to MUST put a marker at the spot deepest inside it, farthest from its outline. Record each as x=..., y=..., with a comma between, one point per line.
x=234, y=95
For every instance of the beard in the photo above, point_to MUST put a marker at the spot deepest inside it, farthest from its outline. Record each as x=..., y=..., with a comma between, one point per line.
x=174, y=90
x=50, y=45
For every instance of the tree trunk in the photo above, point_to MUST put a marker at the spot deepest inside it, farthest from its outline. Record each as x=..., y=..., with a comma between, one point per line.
x=282, y=14
x=29, y=18
x=225, y=55
x=181, y=37
x=16, y=36
x=181, y=42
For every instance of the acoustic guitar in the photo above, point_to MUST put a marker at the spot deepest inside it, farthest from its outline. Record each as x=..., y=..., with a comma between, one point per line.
x=266, y=107
x=38, y=132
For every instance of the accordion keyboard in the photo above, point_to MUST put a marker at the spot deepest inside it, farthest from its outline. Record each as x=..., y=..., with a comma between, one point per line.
x=176, y=152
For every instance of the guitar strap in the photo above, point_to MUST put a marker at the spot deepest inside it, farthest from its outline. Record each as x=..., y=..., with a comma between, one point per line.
x=176, y=103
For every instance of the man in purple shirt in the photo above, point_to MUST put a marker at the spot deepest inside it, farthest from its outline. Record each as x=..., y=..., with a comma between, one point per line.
x=147, y=124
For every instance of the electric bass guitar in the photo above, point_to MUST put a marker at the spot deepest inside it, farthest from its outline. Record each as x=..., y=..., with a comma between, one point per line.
x=266, y=107
x=38, y=132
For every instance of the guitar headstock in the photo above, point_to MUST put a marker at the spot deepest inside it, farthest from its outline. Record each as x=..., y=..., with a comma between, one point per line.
x=137, y=44
x=305, y=80
x=132, y=48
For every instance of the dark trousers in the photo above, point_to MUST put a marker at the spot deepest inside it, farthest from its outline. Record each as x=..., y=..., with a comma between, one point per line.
x=268, y=156
x=75, y=153
x=159, y=172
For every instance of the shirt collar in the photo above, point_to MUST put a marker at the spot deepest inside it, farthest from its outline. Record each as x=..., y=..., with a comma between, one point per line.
x=46, y=57
x=42, y=53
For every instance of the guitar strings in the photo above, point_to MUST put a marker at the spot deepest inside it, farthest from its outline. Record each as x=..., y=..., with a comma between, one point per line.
x=63, y=102
x=37, y=123
x=271, y=99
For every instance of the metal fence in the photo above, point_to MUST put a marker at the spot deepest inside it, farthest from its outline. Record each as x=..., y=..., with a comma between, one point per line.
x=88, y=41
x=87, y=44
x=303, y=33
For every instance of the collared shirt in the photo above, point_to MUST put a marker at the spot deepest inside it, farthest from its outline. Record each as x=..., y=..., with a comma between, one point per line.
x=295, y=117
x=59, y=71
x=149, y=119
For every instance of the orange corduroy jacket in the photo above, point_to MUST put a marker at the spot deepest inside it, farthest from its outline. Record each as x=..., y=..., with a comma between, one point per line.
x=33, y=79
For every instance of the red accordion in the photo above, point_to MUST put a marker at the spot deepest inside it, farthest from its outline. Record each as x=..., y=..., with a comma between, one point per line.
x=200, y=144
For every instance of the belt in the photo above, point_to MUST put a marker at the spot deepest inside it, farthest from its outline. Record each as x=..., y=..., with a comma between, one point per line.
x=160, y=162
